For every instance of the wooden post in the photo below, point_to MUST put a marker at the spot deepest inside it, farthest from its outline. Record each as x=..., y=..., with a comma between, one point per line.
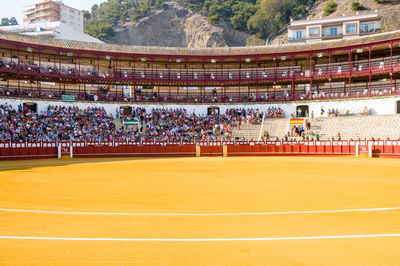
x=18, y=70
x=349, y=67
x=292, y=78
x=391, y=68
x=330, y=75
x=59, y=72
x=240, y=77
x=311, y=74
x=370, y=71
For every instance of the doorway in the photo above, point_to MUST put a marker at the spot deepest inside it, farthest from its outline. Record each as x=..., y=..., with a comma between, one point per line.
x=302, y=111
x=126, y=110
x=212, y=110
x=31, y=106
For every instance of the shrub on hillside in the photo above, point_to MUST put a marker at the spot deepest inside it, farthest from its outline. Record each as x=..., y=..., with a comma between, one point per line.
x=356, y=6
x=330, y=8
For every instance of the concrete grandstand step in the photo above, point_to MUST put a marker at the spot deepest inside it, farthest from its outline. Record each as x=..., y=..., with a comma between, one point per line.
x=118, y=123
x=276, y=127
x=355, y=127
x=247, y=131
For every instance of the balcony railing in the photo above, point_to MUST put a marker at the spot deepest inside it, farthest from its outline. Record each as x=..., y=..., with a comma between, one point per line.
x=185, y=96
x=370, y=31
x=293, y=38
x=208, y=76
x=332, y=35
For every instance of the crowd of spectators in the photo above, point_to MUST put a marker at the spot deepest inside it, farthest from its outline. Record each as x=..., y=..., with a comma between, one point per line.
x=275, y=112
x=59, y=123
x=302, y=131
x=333, y=112
x=177, y=124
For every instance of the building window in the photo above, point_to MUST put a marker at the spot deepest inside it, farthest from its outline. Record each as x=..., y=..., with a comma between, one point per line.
x=314, y=32
x=351, y=28
x=331, y=32
x=299, y=34
x=367, y=27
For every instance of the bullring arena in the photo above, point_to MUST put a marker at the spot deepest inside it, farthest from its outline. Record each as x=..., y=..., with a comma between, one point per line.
x=275, y=210
x=257, y=155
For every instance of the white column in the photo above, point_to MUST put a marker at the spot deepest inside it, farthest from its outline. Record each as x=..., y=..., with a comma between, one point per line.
x=370, y=143
x=59, y=151
x=357, y=149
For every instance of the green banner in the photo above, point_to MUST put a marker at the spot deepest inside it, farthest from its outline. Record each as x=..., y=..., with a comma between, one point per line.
x=68, y=98
x=133, y=122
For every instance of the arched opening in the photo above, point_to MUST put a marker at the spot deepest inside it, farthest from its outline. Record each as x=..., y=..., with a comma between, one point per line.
x=126, y=110
x=302, y=111
x=398, y=107
x=30, y=106
x=212, y=110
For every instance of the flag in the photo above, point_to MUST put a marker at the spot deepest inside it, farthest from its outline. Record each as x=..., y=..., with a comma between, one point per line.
x=296, y=121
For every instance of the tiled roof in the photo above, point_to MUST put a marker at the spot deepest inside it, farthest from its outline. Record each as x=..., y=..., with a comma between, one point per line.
x=221, y=51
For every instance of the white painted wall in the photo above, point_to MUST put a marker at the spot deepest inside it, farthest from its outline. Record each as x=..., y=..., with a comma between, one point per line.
x=56, y=29
x=383, y=106
x=72, y=17
x=67, y=32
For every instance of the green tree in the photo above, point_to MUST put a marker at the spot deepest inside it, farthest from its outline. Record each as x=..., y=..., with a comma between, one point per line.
x=271, y=17
x=356, y=6
x=330, y=8
x=94, y=8
x=242, y=13
x=100, y=30
x=86, y=14
x=300, y=10
x=214, y=19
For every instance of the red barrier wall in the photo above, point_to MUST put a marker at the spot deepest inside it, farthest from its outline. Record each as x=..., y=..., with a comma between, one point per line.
x=12, y=151
x=136, y=150
x=211, y=151
x=17, y=151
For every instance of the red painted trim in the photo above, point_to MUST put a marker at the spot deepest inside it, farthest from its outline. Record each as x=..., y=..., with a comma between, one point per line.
x=206, y=57
x=10, y=151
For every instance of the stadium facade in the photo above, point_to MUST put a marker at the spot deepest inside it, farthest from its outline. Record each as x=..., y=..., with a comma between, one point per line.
x=289, y=75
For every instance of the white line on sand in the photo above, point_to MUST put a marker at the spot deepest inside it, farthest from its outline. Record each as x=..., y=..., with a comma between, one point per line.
x=195, y=239
x=199, y=214
x=130, y=159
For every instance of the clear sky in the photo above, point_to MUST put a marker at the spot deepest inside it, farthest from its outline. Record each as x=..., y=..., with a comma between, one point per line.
x=13, y=8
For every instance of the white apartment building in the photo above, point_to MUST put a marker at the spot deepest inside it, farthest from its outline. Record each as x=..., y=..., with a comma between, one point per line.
x=51, y=18
x=72, y=17
x=50, y=11
x=313, y=30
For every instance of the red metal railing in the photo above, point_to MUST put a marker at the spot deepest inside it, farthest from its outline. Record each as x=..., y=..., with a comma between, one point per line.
x=204, y=76
x=357, y=91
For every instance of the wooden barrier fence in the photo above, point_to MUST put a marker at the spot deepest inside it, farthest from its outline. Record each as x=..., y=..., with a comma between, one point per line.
x=39, y=150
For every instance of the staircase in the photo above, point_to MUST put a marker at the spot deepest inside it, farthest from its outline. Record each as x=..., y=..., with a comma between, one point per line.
x=246, y=131
x=276, y=127
x=118, y=123
x=355, y=127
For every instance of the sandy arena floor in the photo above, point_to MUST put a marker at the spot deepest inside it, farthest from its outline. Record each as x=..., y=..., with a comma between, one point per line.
x=270, y=210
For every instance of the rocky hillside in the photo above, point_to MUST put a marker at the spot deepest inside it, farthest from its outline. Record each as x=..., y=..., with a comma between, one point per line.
x=216, y=23
x=389, y=10
x=176, y=26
